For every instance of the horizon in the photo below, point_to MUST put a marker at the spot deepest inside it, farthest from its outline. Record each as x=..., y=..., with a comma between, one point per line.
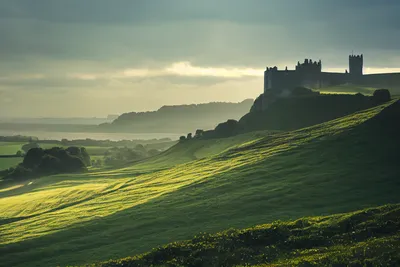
x=90, y=60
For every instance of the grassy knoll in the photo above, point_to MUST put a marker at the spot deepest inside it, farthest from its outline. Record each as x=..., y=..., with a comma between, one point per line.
x=339, y=166
x=369, y=237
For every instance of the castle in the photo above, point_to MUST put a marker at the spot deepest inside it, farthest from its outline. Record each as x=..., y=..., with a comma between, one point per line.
x=310, y=74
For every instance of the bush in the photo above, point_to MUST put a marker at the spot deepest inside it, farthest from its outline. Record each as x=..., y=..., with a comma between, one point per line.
x=40, y=161
x=226, y=129
x=381, y=95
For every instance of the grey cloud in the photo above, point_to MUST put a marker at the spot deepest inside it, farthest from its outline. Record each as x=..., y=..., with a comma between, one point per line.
x=133, y=33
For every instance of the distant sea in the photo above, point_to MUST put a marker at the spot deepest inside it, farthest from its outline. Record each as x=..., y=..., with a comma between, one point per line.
x=96, y=136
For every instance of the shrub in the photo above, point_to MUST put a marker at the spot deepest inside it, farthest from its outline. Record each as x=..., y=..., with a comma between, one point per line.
x=381, y=95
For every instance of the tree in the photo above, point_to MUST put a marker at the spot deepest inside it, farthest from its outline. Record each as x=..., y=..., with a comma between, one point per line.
x=182, y=138
x=19, y=153
x=381, y=95
x=189, y=136
x=33, y=157
x=199, y=133
x=85, y=156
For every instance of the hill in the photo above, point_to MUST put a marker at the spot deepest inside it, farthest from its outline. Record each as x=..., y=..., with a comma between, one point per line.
x=339, y=166
x=178, y=119
x=297, y=108
x=292, y=113
x=369, y=237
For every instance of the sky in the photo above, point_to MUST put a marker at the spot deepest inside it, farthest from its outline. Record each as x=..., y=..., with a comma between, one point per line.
x=74, y=58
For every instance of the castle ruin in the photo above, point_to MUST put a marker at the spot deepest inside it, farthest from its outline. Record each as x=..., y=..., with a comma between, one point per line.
x=309, y=74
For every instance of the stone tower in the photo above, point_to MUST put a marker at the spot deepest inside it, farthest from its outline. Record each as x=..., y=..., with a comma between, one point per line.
x=356, y=65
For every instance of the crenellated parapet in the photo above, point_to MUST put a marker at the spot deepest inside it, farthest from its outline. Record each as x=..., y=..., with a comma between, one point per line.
x=268, y=69
x=309, y=66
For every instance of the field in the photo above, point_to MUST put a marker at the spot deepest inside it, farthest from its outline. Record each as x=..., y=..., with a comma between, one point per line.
x=9, y=148
x=202, y=186
x=6, y=163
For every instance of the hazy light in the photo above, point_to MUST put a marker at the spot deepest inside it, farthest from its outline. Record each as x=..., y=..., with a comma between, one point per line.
x=365, y=70
x=186, y=69
x=26, y=76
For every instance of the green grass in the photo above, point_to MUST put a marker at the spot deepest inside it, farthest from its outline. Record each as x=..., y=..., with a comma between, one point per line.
x=6, y=163
x=347, y=89
x=369, y=237
x=199, y=186
x=10, y=148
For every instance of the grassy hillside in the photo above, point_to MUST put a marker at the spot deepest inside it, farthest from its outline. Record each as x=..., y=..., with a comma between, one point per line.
x=339, y=166
x=295, y=112
x=369, y=237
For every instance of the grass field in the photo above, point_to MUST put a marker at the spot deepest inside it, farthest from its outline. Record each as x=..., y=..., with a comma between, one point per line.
x=10, y=148
x=6, y=163
x=369, y=237
x=198, y=186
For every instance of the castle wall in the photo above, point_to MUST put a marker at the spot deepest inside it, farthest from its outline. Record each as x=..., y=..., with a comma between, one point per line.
x=332, y=78
x=280, y=79
x=310, y=80
x=388, y=80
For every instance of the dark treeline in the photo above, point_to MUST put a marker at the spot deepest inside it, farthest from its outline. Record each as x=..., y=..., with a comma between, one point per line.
x=85, y=142
x=105, y=143
x=38, y=162
x=17, y=138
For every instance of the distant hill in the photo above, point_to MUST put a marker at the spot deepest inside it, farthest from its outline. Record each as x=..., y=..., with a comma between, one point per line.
x=69, y=121
x=180, y=118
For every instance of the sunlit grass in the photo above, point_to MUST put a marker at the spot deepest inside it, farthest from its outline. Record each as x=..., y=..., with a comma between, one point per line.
x=347, y=89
